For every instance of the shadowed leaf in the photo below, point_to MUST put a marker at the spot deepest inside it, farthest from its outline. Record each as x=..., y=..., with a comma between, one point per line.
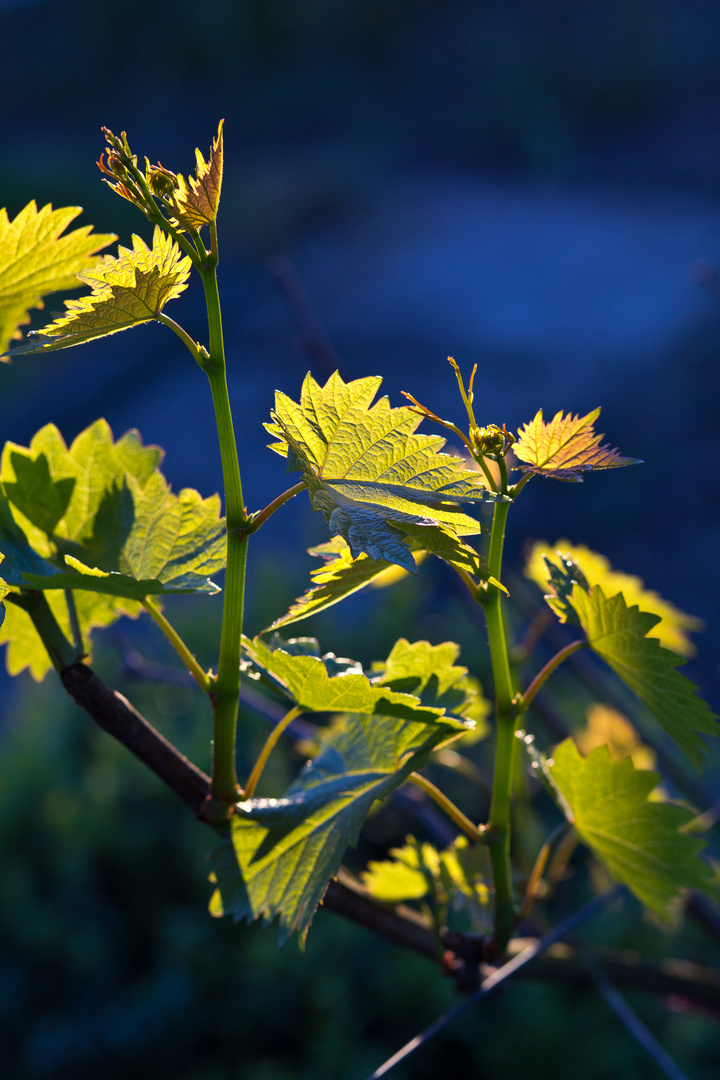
x=618, y=633
x=639, y=839
x=194, y=202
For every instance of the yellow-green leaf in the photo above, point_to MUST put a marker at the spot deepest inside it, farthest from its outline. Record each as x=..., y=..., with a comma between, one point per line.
x=36, y=260
x=674, y=626
x=640, y=840
x=565, y=447
x=369, y=473
x=619, y=634
x=194, y=202
x=127, y=290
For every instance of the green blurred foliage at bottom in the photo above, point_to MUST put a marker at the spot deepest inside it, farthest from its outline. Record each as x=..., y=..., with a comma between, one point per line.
x=110, y=965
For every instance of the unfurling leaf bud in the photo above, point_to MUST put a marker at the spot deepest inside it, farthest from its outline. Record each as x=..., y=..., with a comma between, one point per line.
x=492, y=440
x=160, y=180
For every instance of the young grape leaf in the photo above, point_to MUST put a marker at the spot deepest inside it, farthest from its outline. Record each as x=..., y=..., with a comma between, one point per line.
x=194, y=202
x=342, y=575
x=368, y=472
x=566, y=447
x=674, y=626
x=127, y=290
x=618, y=633
x=640, y=840
x=457, y=877
x=306, y=681
x=36, y=260
x=281, y=852
x=430, y=673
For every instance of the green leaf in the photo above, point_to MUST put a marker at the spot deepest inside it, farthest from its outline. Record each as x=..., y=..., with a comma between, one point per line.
x=618, y=633
x=281, y=852
x=101, y=517
x=127, y=290
x=565, y=447
x=194, y=202
x=341, y=575
x=559, y=566
x=36, y=260
x=457, y=877
x=368, y=472
x=307, y=682
x=640, y=840
x=430, y=673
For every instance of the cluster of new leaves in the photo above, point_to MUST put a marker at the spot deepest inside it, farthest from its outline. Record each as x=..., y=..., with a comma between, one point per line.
x=36, y=260
x=565, y=448
x=194, y=202
x=454, y=880
x=376, y=481
x=672, y=631
x=98, y=518
x=281, y=852
x=127, y=290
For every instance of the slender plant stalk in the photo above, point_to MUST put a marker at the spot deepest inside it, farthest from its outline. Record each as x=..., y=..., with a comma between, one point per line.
x=200, y=676
x=261, y=517
x=539, y=869
x=267, y=749
x=542, y=676
x=499, y=823
x=478, y=836
x=226, y=689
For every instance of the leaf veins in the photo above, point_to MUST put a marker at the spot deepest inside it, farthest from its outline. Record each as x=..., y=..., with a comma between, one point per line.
x=565, y=447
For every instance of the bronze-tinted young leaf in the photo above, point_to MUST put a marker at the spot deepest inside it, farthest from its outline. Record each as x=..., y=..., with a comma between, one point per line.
x=619, y=634
x=36, y=260
x=565, y=447
x=367, y=470
x=127, y=290
x=281, y=852
x=194, y=201
x=640, y=839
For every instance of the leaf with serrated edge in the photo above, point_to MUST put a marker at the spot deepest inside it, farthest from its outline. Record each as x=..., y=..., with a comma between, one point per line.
x=127, y=290
x=367, y=470
x=281, y=852
x=122, y=533
x=639, y=840
x=674, y=626
x=341, y=575
x=618, y=633
x=431, y=674
x=565, y=447
x=308, y=684
x=194, y=202
x=36, y=260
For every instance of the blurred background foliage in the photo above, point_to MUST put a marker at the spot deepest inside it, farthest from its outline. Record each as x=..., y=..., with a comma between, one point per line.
x=361, y=136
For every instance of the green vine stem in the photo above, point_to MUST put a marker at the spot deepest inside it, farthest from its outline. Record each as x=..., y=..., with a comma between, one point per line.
x=267, y=749
x=200, y=676
x=225, y=691
x=506, y=711
x=477, y=835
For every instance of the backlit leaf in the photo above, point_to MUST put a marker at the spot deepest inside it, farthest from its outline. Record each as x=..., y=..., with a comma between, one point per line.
x=368, y=472
x=607, y=727
x=457, y=878
x=127, y=290
x=308, y=683
x=281, y=852
x=639, y=839
x=565, y=447
x=431, y=674
x=618, y=633
x=36, y=260
x=194, y=202
x=672, y=631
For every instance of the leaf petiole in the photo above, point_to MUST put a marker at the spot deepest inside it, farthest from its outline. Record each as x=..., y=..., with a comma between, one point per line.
x=267, y=749
x=259, y=519
x=477, y=835
x=542, y=676
x=201, y=677
x=193, y=347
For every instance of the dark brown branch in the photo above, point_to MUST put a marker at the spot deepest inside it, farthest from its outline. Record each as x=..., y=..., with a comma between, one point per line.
x=347, y=897
x=115, y=715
